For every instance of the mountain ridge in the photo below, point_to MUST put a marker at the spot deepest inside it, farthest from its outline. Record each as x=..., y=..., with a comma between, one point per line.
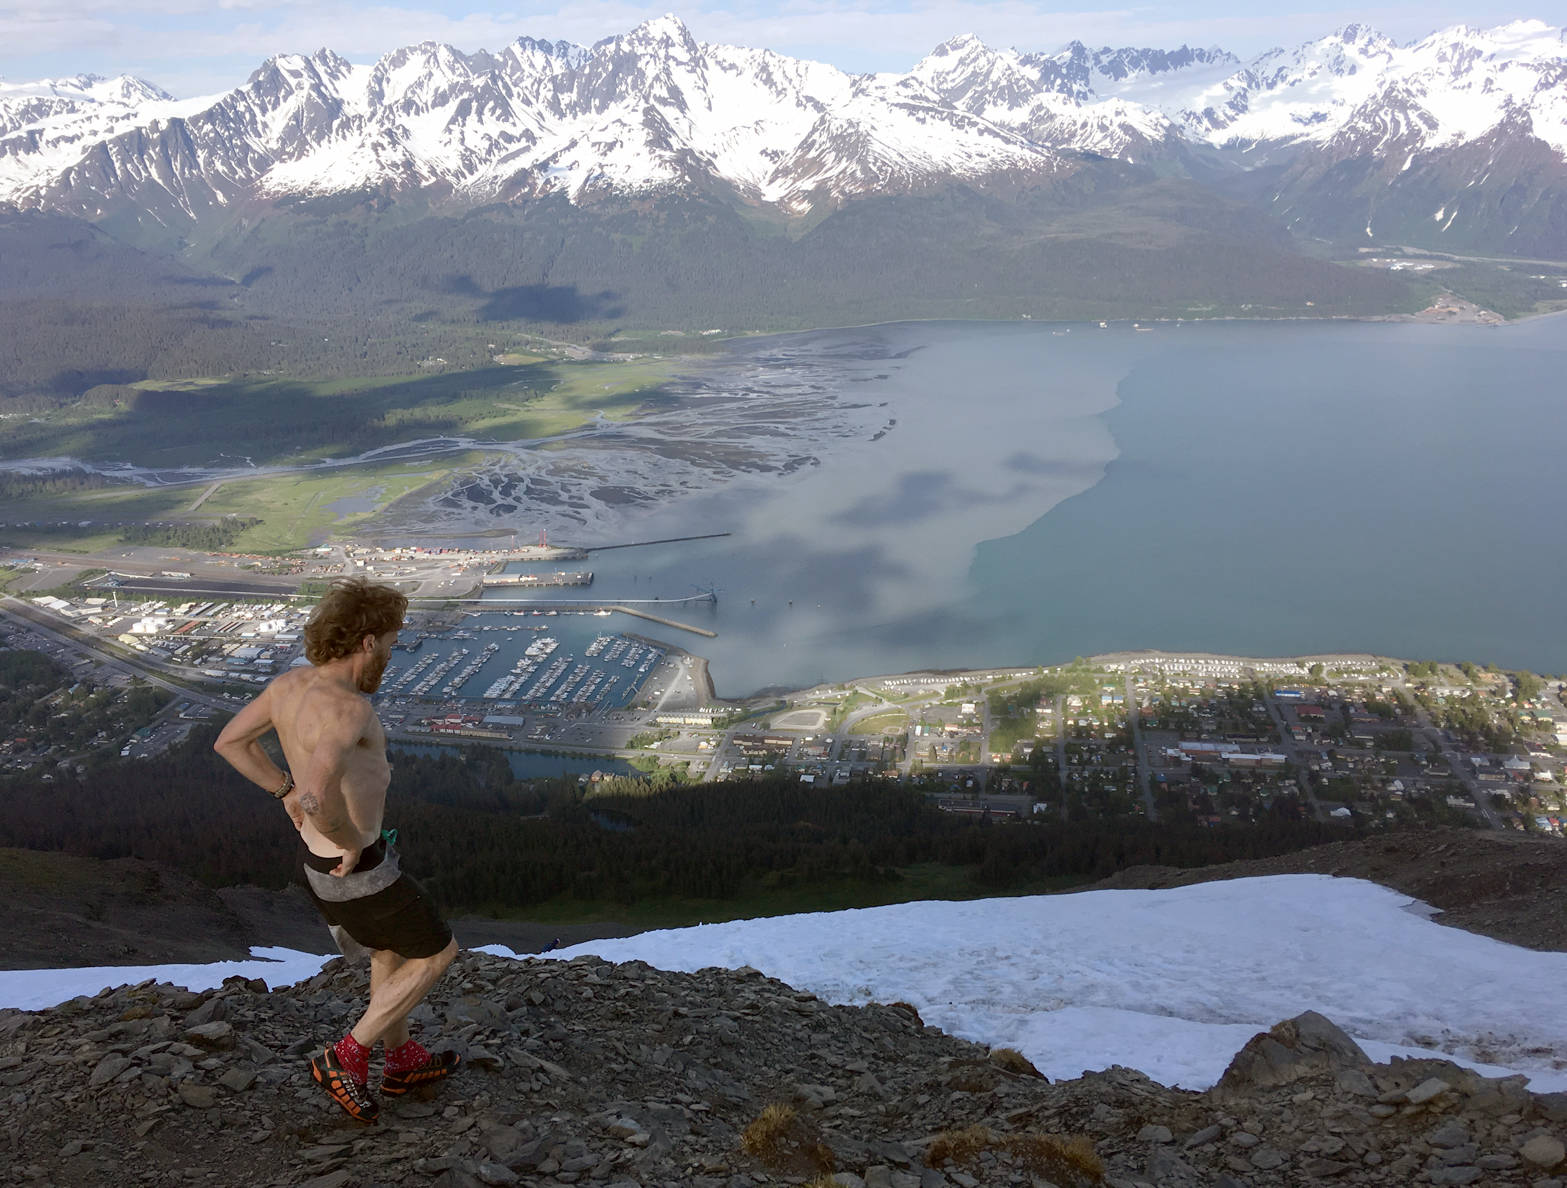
x=654, y=111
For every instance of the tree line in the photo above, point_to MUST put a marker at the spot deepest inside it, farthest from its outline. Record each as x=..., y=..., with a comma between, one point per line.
x=487, y=842
x=330, y=292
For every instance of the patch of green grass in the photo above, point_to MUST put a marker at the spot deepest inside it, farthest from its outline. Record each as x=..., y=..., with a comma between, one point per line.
x=928, y=880
x=86, y=541
x=846, y=707
x=1008, y=732
x=881, y=723
x=41, y=870
x=270, y=421
x=295, y=509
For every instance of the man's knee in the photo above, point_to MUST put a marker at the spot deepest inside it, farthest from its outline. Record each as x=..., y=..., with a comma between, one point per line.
x=441, y=959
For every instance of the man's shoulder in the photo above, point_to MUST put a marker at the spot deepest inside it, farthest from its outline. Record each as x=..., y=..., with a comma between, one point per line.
x=313, y=684
x=333, y=697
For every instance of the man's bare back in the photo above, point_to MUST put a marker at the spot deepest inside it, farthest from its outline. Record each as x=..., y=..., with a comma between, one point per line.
x=312, y=716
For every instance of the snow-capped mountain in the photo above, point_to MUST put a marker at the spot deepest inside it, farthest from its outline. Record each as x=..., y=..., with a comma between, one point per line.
x=648, y=110
x=1440, y=123
x=27, y=104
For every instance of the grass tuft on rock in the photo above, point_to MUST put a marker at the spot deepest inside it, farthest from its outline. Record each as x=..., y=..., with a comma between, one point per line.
x=1067, y=1160
x=785, y=1141
x=1012, y=1061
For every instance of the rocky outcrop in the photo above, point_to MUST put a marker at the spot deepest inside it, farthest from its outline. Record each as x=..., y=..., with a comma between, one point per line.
x=1300, y=1047
x=584, y=1072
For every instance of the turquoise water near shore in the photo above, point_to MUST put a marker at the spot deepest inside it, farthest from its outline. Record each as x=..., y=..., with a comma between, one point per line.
x=1045, y=491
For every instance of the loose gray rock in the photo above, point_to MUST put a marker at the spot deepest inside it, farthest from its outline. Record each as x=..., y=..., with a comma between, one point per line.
x=1543, y=1151
x=621, y=1075
x=1452, y=1133
x=1427, y=1090
x=218, y=1034
x=201, y=1097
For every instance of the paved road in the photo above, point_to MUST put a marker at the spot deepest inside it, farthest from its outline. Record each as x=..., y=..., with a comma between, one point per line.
x=27, y=616
x=1477, y=791
x=1292, y=753
x=1061, y=749
x=1144, y=780
x=845, y=728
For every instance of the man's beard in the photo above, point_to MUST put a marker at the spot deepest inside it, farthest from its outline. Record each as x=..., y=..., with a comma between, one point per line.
x=370, y=679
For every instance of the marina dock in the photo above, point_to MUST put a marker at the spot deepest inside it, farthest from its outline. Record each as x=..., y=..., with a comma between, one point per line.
x=582, y=577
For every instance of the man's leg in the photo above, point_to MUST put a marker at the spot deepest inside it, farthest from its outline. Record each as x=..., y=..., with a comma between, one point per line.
x=398, y=993
x=383, y=964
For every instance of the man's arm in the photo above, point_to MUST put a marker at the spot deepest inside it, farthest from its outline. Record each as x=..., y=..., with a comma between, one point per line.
x=240, y=744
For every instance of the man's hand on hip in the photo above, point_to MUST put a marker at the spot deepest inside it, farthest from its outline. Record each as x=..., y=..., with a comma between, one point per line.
x=296, y=809
x=350, y=860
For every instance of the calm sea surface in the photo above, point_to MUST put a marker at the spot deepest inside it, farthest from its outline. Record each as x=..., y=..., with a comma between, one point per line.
x=1041, y=492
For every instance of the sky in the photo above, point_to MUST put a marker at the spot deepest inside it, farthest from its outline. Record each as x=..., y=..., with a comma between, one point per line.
x=1171, y=982
x=197, y=47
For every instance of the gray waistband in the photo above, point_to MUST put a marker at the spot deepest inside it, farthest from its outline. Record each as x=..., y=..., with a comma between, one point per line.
x=356, y=884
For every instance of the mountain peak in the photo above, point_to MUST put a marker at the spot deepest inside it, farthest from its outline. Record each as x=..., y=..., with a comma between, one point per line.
x=663, y=30
x=1365, y=38
x=962, y=43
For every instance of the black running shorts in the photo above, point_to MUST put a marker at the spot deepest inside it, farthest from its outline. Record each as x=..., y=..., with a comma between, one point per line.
x=400, y=918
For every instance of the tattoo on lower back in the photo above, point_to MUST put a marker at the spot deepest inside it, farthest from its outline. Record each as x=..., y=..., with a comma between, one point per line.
x=309, y=802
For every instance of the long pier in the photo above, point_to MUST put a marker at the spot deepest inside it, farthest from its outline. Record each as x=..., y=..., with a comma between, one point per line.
x=637, y=544
x=626, y=610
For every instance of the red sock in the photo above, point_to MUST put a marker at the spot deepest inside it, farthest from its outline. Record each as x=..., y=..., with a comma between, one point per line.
x=406, y=1057
x=354, y=1057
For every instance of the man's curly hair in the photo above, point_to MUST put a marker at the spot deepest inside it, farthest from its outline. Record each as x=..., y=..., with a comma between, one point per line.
x=352, y=609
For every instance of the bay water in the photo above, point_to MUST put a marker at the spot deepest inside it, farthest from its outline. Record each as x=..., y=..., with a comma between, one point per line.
x=1038, y=492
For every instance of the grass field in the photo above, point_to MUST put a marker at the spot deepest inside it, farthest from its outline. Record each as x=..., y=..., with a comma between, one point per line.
x=881, y=723
x=296, y=509
x=923, y=881
x=213, y=422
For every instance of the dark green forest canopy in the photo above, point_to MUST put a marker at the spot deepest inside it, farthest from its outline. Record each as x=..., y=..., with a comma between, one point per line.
x=487, y=842
x=347, y=288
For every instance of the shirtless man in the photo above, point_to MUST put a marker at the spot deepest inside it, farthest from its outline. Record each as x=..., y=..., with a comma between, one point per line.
x=335, y=793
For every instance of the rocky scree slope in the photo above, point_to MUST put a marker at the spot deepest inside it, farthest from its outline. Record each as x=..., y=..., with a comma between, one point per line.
x=584, y=1072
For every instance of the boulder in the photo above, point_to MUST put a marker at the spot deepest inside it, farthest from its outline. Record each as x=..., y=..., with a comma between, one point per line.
x=1303, y=1046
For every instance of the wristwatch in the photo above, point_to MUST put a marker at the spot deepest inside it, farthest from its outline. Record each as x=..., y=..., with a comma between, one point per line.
x=286, y=787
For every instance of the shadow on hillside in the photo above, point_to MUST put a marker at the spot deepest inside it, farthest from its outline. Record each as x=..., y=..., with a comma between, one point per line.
x=76, y=381
x=538, y=303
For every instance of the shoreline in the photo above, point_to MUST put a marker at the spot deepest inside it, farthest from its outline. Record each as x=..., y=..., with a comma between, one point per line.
x=1104, y=659
x=1161, y=320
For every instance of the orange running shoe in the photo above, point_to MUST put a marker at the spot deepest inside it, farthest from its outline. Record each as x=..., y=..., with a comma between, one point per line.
x=355, y=1098
x=439, y=1066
